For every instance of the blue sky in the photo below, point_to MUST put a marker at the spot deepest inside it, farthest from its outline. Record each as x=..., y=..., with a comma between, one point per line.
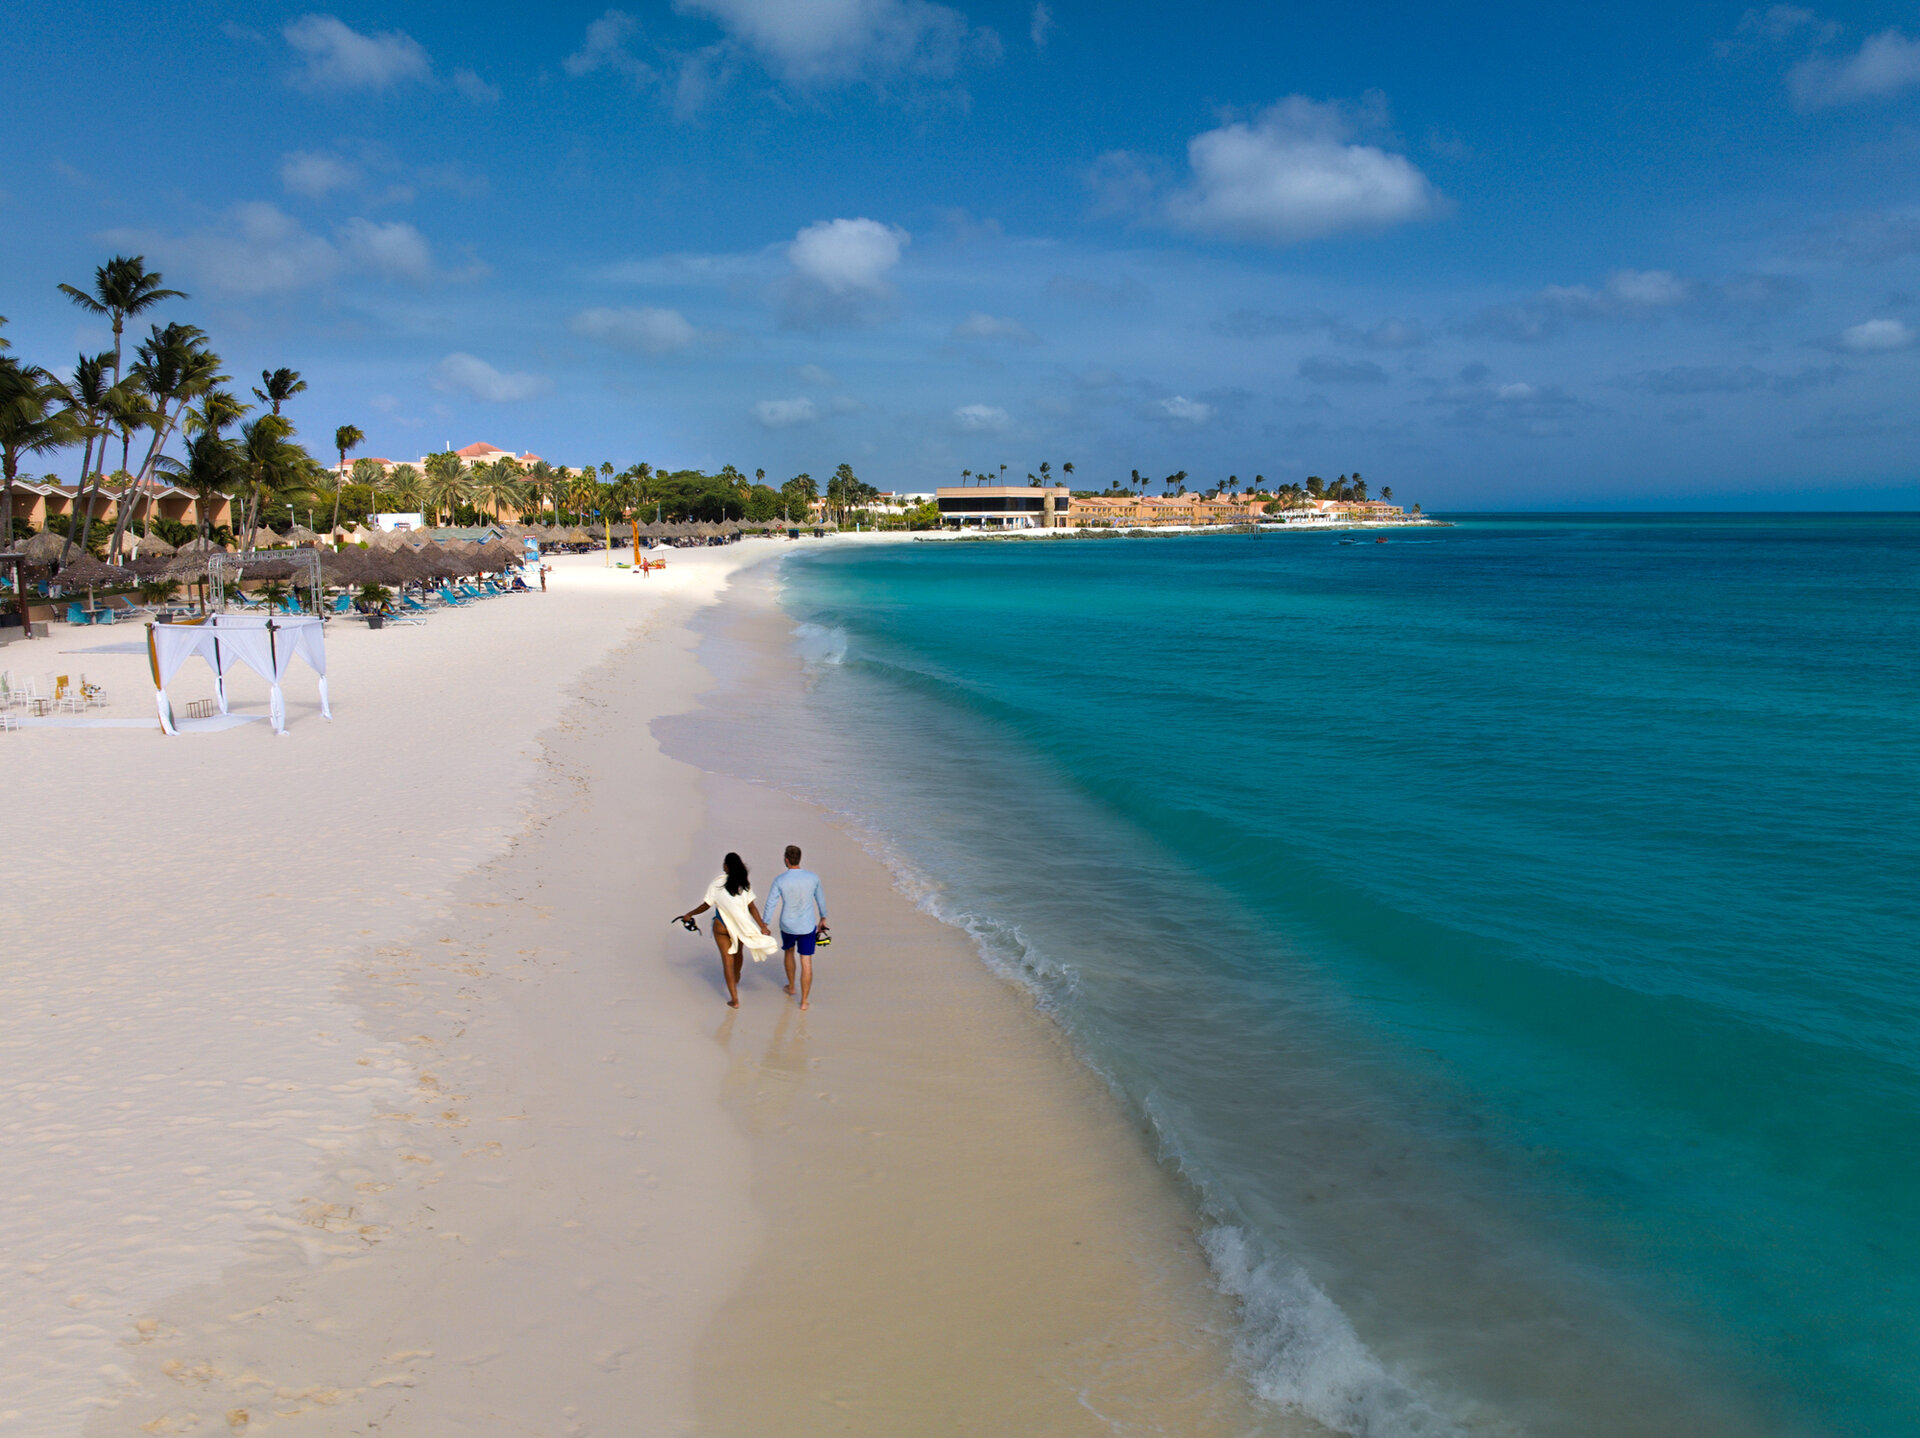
x=1494, y=256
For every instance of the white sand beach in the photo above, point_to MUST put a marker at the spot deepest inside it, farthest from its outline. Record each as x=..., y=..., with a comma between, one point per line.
x=355, y=1082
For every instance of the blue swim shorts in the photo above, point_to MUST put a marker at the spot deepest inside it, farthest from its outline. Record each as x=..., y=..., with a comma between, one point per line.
x=802, y=942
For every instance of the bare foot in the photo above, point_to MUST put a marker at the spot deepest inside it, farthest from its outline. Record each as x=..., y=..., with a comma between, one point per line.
x=805, y=1006
x=733, y=1003
x=788, y=989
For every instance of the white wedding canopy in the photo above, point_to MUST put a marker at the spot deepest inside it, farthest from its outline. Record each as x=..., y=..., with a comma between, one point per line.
x=266, y=646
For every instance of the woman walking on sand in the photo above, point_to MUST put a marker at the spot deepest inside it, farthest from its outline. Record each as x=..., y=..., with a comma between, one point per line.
x=736, y=923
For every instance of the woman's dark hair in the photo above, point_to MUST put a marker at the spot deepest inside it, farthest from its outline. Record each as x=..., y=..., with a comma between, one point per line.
x=736, y=871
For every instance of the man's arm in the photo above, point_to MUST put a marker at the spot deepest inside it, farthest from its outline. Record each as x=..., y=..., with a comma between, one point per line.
x=820, y=900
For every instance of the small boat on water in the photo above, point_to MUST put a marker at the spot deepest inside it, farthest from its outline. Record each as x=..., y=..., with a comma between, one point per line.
x=1346, y=541
x=1381, y=539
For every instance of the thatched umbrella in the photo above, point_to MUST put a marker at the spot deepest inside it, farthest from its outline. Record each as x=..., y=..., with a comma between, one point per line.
x=148, y=546
x=341, y=566
x=44, y=547
x=300, y=536
x=89, y=573
x=199, y=546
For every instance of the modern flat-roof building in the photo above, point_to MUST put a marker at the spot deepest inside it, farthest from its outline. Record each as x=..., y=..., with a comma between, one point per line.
x=1002, y=506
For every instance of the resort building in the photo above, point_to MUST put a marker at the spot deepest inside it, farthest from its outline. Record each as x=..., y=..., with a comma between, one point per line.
x=470, y=455
x=1003, y=506
x=1145, y=511
x=35, y=501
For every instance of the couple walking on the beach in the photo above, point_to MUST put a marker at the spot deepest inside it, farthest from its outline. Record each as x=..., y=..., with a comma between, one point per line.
x=795, y=899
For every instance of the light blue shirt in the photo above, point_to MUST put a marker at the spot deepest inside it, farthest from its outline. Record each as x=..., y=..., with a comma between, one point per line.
x=797, y=899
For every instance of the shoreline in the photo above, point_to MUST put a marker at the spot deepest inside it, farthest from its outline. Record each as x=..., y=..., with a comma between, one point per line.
x=964, y=1228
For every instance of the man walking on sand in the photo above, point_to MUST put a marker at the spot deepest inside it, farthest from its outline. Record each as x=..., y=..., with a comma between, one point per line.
x=796, y=904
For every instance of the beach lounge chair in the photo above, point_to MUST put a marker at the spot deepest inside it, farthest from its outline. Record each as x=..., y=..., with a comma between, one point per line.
x=77, y=615
x=412, y=605
x=343, y=605
x=452, y=601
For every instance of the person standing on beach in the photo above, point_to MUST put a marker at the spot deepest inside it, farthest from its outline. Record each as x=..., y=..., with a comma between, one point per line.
x=797, y=899
x=736, y=923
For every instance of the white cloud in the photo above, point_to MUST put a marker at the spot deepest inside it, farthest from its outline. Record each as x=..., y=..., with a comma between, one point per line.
x=473, y=88
x=814, y=42
x=1883, y=65
x=394, y=250
x=1042, y=25
x=1182, y=410
x=337, y=57
x=1876, y=337
x=1625, y=290
x=260, y=250
x=605, y=48
x=978, y=326
x=785, y=413
x=848, y=257
x=305, y=172
x=981, y=418
x=474, y=376
x=654, y=331
x=1295, y=174
x=813, y=374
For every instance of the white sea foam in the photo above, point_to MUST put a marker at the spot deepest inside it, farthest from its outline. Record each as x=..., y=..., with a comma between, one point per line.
x=1302, y=1353
x=819, y=644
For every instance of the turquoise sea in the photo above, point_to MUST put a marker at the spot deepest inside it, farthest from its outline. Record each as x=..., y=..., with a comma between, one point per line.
x=1511, y=931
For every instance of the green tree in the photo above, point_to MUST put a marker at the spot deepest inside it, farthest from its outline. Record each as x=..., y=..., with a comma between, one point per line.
x=797, y=496
x=174, y=368
x=32, y=421
x=406, y=487
x=281, y=386
x=497, y=487
x=85, y=400
x=210, y=468
x=272, y=463
x=447, y=484
x=346, y=439
x=122, y=287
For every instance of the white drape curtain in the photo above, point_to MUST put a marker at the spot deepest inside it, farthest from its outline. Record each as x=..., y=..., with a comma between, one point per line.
x=266, y=646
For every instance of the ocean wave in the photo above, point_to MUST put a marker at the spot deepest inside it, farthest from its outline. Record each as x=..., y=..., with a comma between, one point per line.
x=1301, y=1352
x=819, y=644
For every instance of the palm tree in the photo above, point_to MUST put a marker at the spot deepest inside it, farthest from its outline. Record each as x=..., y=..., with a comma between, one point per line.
x=584, y=492
x=269, y=461
x=1386, y=493
x=497, y=487
x=31, y=422
x=211, y=468
x=447, y=485
x=345, y=438
x=540, y=480
x=175, y=367
x=121, y=287
x=281, y=386
x=85, y=398
x=406, y=487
